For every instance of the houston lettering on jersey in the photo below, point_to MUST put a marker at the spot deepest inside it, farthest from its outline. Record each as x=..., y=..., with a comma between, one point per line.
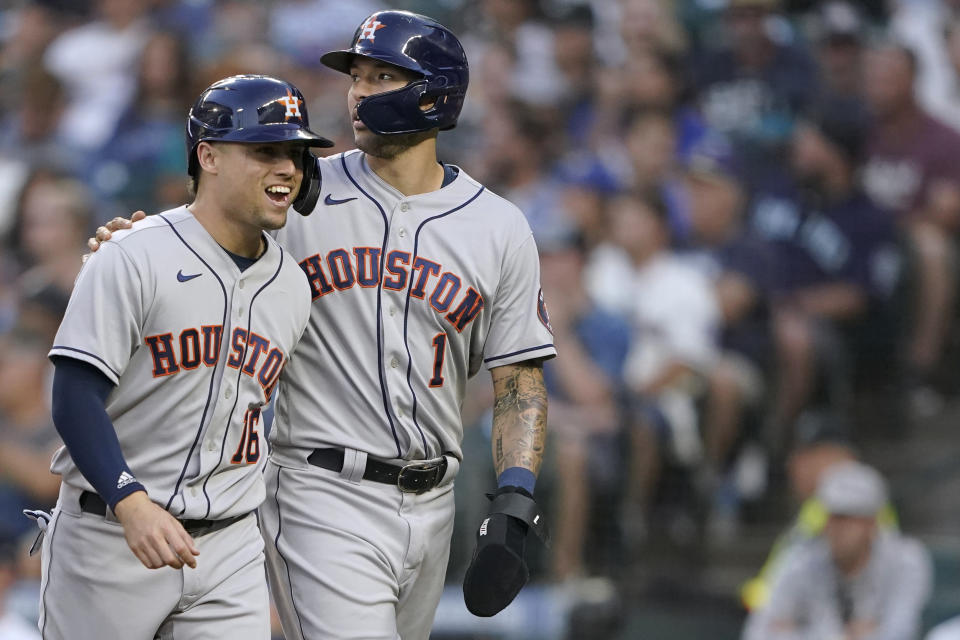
x=195, y=347
x=342, y=269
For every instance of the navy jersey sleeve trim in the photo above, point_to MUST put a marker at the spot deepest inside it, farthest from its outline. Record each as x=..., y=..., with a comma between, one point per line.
x=80, y=392
x=516, y=353
x=58, y=347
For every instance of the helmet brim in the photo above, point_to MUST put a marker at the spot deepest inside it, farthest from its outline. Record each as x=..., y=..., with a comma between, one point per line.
x=278, y=132
x=341, y=60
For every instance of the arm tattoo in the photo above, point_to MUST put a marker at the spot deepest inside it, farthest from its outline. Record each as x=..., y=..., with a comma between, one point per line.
x=519, y=416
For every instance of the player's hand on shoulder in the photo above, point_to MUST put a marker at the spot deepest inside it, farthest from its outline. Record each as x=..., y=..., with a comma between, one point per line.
x=105, y=232
x=155, y=537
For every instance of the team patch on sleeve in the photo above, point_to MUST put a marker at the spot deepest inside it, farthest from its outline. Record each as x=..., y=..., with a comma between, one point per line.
x=542, y=312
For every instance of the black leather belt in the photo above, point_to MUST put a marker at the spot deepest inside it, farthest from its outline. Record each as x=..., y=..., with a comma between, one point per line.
x=413, y=477
x=93, y=503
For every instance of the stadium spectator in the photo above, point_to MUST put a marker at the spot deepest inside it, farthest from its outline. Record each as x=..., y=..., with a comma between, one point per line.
x=575, y=58
x=740, y=269
x=585, y=184
x=518, y=25
x=650, y=25
x=837, y=265
x=27, y=436
x=142, y=165
x=516, y=162
x=30, y=135
x=854, y=582
x=584, y=389
x=48, y=234
x=674, y=318
x=305, y=30
x=925, y=28
x=753, y=87
x=96, y=62
x=912, y=170
x=650, y=139
x=656, y=84
x=839, y=49
x=822, y=443
x=33, y=26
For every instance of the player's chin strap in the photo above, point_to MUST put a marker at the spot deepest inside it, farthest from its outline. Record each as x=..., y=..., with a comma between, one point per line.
x=523, y=508
x=309, y=192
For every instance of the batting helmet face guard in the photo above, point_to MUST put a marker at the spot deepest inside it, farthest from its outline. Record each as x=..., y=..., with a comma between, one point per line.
x=249, y=109
x=421, y=45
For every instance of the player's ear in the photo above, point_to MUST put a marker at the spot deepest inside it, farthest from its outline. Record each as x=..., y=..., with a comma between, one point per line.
x=207, y=157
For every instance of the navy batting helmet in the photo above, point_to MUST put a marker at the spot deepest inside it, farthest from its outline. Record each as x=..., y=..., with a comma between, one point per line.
x=249, y=109
x=419, y=44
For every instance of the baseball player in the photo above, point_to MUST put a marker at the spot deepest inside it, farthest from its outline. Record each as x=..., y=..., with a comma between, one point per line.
x=419, y=277
x=171, y=346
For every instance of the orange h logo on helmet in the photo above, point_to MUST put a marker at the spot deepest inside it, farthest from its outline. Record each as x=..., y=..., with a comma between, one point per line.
x=292, y=103
x=369, y=29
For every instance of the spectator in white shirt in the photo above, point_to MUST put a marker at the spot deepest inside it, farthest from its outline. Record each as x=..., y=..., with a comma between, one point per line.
x=674, y=317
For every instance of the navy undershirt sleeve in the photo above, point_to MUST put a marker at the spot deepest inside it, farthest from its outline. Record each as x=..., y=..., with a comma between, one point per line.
x=80, y=394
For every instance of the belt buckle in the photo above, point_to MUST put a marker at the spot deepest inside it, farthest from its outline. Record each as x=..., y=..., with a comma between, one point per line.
x=417, y=477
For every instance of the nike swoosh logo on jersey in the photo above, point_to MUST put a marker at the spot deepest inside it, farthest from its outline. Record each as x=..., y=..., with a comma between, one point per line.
x=183, y=278
x=329, y=200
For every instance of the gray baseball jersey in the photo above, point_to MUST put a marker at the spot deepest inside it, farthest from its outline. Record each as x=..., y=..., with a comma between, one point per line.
x=411, y=297
x=195, y=348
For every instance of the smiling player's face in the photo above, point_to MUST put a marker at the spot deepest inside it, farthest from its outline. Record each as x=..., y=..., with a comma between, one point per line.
x=261, y=181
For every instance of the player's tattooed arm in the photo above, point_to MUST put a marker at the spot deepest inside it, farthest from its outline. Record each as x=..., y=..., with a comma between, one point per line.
x=519, y=416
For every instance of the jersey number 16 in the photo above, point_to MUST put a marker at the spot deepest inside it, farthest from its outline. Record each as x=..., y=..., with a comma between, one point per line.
x=249, y=449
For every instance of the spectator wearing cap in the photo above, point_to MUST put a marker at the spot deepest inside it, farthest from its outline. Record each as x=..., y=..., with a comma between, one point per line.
x=739, y=267
x=752, y=87
x=856, y=581
x=12, y=625
x=837, y=265
x=584, y=185
x=839, y=33
x=912, y=170
x=822, y=443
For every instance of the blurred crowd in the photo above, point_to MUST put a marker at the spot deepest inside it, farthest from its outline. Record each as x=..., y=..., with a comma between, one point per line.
x=747, y=213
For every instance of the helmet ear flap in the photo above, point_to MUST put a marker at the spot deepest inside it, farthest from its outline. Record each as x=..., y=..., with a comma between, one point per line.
x=309, y=193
